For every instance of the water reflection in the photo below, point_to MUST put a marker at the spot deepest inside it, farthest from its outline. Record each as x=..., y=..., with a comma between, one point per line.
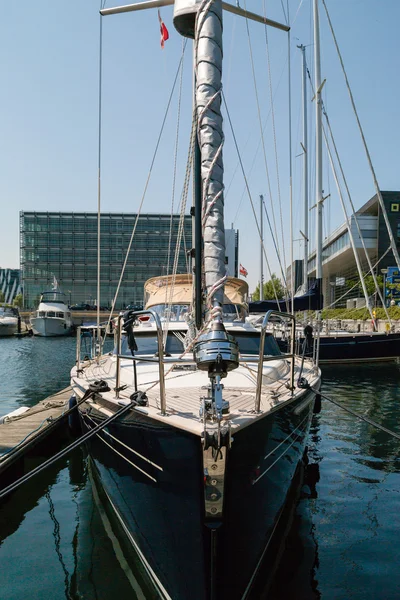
x=343, y=540
x=53, y=541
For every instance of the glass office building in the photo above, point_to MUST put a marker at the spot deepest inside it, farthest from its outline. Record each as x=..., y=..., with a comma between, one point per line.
x=64, y=245
x=10, y=284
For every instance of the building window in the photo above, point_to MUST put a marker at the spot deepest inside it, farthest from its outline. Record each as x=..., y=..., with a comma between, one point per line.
x=398, y=231
x=395, y=207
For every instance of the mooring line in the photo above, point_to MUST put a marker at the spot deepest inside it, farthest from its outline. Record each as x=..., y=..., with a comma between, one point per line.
x=355, y=414
x=47, y=463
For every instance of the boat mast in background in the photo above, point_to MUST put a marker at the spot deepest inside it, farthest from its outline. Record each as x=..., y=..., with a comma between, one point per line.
x=318, y=147
x=305, y=171
x=261, y=249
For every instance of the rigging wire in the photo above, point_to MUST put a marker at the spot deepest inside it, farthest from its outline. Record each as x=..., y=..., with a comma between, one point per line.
x=274, y=242
x=274, y=136
x=348, y=225
x=297, y=13
x=174, y=172
x=256, y=152
x=99, y=173
x=292, y=274
x=260, y=125
x=325, y=114
x=284, y=13
x=377, y=188
x=250, y=197
x=358, y=281
x=354, y=213
x=180, y=232
x=146, y=185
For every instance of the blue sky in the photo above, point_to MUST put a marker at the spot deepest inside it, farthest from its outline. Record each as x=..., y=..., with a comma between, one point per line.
x=49, y=111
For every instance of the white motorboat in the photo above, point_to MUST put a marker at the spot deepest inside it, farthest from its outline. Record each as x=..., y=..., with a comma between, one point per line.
x=8, y=320
x=53, y=316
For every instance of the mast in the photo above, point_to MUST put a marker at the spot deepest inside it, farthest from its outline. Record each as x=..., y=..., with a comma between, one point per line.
x=201, y=20
x=198, y=244
x=318, y=145
x=261, y=252
x=305, y=171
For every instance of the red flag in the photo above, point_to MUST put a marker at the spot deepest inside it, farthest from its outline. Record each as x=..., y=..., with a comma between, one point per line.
x=163, y=31
x=243, y=271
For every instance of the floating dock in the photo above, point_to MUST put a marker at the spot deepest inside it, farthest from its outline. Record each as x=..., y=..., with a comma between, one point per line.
x=31, y=426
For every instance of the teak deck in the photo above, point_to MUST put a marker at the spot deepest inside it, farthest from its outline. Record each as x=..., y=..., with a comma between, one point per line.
x=14, y=430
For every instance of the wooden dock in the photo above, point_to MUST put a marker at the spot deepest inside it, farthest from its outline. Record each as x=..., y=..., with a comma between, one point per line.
x=34, y=421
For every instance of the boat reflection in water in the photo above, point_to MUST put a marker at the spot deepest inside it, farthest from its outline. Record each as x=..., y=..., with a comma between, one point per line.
x=347, y=516
x=52, y=531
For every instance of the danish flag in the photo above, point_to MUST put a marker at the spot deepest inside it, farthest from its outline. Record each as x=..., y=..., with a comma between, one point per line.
x=163, y=31
x=243, y=271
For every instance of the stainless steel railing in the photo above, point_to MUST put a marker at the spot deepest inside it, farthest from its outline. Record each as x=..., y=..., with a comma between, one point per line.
x=262, y=359
x=159, y=359
x=93, y=329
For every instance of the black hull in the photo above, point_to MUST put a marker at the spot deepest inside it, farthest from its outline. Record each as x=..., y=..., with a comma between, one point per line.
x=160, y=504
x=355, y=348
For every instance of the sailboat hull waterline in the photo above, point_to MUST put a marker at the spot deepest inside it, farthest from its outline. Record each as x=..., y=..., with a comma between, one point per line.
x=154, y=479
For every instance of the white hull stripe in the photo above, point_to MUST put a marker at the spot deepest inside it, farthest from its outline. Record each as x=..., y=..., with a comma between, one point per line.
x=275, y=461
x=161, y=589
x=128, y=448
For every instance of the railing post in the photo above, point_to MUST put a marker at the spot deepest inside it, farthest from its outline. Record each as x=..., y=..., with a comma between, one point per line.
x=118, y=366
x=78, y=351
x=163, y=402
x=260, y=366
x=160, y=346
x=293, y=354
x=267, y=317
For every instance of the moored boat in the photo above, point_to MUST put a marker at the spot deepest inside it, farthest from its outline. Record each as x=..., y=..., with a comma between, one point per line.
x=180, y=497
x=198, y=469
x=53, y=316
x=9, y=316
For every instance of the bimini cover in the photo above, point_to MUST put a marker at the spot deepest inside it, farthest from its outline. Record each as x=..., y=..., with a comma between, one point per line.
x=159, y=290
x=311, y=300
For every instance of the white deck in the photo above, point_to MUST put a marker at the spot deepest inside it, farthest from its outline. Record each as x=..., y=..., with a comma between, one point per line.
x=185, y=389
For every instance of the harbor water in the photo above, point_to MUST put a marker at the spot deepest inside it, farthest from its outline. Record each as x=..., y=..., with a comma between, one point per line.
x=56, y=541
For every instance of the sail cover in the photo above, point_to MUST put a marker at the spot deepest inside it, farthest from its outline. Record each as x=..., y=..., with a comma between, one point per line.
x=208, y=44
x=312, y=300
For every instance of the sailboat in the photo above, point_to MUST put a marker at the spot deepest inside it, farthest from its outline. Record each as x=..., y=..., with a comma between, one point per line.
x=198, y=470
x=339, y=346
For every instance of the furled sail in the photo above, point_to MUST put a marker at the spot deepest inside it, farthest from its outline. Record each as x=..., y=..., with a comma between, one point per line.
x=203, y=20
x=210, y=135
